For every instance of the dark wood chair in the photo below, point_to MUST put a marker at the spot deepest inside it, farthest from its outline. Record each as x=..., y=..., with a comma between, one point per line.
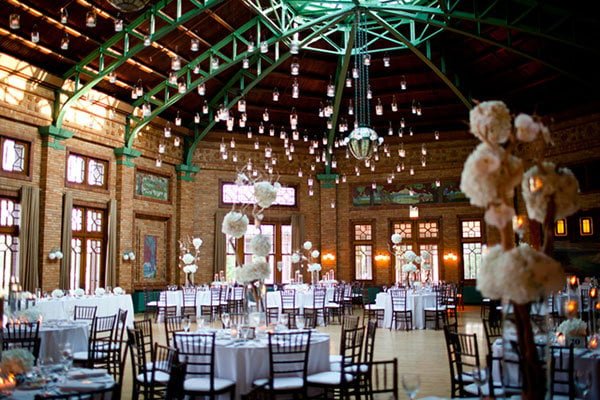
x=438, y=313
x=400, y=312
x=188, y=305
x=24, y=335
x=316, y=310
x=198, y=351
x=98, y=354
x=151, y=298
x=172, y=324
x=562, y=372
x=84, y=313
x=370, y=309
x=288, y=364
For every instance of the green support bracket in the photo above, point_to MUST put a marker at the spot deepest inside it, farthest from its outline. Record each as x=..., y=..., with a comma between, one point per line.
x=186, y=171
x=127, y=153
x=327, y=180
x=54, y=135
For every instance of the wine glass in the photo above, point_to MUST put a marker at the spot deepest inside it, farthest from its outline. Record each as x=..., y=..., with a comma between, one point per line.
x=411, y=384
x=200, y=323
x=226, y=320
x=45, y=366
x=284, y=319
x=300, y=321
x=186, y=324
x=66, y=356
x=583, y=381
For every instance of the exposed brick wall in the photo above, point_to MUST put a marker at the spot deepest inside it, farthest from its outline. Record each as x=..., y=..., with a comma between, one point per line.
x=25, y=104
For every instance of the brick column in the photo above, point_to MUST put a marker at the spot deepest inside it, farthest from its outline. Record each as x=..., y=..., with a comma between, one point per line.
x=52, y=185
x=125, y=188
x=184, y=221
x=329, y=225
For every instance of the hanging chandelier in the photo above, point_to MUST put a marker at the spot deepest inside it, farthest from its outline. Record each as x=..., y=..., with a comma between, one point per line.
x=363, y=141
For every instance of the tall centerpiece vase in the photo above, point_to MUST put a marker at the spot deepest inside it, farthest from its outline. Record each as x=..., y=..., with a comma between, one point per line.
x=189, y=279
x=314, y=278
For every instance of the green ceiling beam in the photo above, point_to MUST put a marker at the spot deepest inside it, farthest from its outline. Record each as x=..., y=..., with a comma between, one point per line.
x=130, y=30
x=425, y=59
x=340, y=81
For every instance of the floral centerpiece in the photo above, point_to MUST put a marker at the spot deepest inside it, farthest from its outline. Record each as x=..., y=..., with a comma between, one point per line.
x=308, y=256
x=235, y=224
x=572, y=327
x=16, y=361
x=519, y=274
x=57, y=293
x=30, y=314
x=187, y=260
x=79, y=292
x=408, y=262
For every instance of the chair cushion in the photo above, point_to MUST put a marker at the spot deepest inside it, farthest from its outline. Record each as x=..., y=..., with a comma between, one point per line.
x=203, y=384
x=332, y=305
x=80, y=355
x=440, y=308
x=485, y=389
x=159, y=377
x=281, y=383
x=152, y=303
x=328, y=378
x=373, y=307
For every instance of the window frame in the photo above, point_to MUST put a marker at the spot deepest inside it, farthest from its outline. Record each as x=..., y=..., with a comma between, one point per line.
x=25, y=175
x=416, y=241
x=462, y=240
x=12, y=230
x=102, y=236
x=85, y=184
x=354, y=242
x=222, y=204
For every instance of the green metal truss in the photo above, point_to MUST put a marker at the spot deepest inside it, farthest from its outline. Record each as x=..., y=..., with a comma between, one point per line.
x=125, y=37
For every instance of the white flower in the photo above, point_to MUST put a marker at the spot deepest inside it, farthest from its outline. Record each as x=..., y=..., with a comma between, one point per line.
x=573, y=327
x=188, y=258
x=295, y=258
x=315, y=254
x=307, y=245
x=417, y=260
x=265, y=194
x=57, y=293
x=483, y=171
x=410, y=267
x=100, y=291
x=410, y=256
x=527, y=129
x=30, y=314
x=539, y=186
x=521, y=274
x=79, y=292
x=16, y=361
x=491, y=120
x=190, y=269
x=235, y=224
x=260, y=245
x=118, y=290
x=314, y=267
x=426, y=266
x=396, y=238
x=425, y=256
x=499, y=215
x=251, y=272
x=197, y=242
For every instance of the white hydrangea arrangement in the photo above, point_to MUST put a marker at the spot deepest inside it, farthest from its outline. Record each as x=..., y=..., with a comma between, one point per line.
x=100, y=291
x=308, y=257
x=118, y=290
x=573, y=327
x=408, y=262
x=235, y=225
x=30, y=314
x=79, y=292
x=189, y=250
x=57, y=293
x=490, y=176
x=16, y=361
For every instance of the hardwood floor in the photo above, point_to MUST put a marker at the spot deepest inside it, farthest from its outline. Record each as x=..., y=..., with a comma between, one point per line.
x=420, y=351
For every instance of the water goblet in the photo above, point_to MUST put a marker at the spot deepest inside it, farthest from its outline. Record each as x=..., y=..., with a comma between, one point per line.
x=300, y=321
x=245, y=332
x=411, y=384
x=66, y=356
x=583, y=381
x=284, y=319
x=226, y=320
x=45, y=366
x=186, y=324
x=200, y=322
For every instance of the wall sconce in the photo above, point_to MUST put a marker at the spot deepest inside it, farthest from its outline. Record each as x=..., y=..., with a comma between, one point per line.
x=129, y=255
x=55, y=254
x=328, y=257
x=450, y=257
x=382, y=257
x=413, y=212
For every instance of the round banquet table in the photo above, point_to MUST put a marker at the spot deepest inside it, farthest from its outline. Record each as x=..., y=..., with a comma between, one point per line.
x=246, y=362
x=53, y=334
x=414, y=301
x=108, y=304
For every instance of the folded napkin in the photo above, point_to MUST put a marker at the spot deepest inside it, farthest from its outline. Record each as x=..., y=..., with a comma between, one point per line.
x=81, y=386
x=81, y=373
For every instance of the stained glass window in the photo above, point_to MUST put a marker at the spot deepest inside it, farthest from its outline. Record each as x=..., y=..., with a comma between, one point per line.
x=10, y=212
x=363, y=251
x=15, y=155
x=472, y=246
x=84, y=170
x=88, y=227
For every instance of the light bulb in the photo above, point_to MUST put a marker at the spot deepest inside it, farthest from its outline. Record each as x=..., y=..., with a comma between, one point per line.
x=35, y=35
x=90, y=19
x=118, y=25
x=194, y=44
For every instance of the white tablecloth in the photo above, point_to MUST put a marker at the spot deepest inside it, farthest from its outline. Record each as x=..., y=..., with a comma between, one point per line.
x=250, y=361
x=107, y=305
x=53, y=335
x=414, y=301
x=585, y=360
x=78, y=385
